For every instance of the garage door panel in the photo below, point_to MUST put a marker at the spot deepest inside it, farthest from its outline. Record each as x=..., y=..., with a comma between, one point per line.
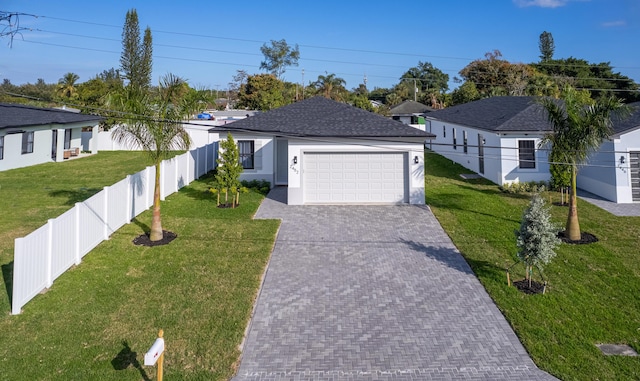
x=355, y=178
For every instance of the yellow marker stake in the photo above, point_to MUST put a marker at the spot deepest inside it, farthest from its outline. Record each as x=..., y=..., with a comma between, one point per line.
x=161, y=359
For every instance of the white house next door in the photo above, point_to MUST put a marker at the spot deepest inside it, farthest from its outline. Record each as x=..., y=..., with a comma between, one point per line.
x=364, y=177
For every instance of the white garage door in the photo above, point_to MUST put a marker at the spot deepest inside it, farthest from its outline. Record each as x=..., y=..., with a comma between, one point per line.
x=355, y=178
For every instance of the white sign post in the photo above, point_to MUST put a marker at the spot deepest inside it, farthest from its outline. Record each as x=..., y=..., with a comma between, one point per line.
x=156, y=354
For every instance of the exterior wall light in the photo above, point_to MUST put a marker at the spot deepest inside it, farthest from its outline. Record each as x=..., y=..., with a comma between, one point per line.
x=622, y=159
x=416, y=160
x=295, y=160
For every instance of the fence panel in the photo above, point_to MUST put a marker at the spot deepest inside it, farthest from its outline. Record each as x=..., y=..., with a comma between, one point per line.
x=30, y=267
x=202, y=160
x=138, y=184
x=117, y=200
x=169, y=179
x=92, y=220
x=49, y=251
x=193, y=165
x=63, y=242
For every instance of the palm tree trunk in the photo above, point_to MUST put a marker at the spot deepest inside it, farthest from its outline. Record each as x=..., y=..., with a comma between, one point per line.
x=156, y=224
x=572, y=229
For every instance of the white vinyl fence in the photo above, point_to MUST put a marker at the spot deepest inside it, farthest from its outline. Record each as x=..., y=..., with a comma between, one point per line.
x=45, y=254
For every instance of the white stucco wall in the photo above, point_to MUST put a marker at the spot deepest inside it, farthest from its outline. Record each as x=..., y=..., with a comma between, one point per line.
x=604, y=174
x=42, y=145
x=501, y=164
x=298, y=147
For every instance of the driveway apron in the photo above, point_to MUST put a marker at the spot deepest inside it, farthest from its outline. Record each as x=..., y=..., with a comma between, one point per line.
x=374, y=293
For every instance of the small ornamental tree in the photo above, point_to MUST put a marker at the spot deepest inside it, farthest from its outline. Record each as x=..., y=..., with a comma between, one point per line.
x=537, y=237
x=229, y=169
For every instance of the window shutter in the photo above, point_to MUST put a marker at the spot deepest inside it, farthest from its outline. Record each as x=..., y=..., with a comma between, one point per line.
x=257, y=157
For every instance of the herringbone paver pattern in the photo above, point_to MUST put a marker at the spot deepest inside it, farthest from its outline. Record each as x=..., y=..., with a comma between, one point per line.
x=374, y=293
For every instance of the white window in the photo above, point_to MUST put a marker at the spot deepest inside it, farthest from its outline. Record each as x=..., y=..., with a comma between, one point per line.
x=67, y=138
x=246, y=153
x=526, y=154
x=27, y=142
x=1, y=147
x=455, y=141
x=465, y=142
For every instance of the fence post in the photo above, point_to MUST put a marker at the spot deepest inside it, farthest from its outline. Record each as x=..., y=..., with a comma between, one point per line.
x=105, y=212
x=129, y=201
x=18, y=255
x=49, y=281
x=76, y=233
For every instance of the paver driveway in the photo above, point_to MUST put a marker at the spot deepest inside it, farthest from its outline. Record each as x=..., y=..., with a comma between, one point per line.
x=374, y=293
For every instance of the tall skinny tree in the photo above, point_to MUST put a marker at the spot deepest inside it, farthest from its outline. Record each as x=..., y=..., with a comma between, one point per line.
x=547, y=47
x=580, y=124
x=136, y=56
x=278, y=56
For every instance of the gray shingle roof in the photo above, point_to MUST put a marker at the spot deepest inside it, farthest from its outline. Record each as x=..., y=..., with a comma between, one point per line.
x=410, y=108
x=16, y=115
x=500, y=114
x=323, y=117
x=630, y=123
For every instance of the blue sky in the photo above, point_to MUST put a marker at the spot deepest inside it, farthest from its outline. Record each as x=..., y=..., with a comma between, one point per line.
x=206, y=42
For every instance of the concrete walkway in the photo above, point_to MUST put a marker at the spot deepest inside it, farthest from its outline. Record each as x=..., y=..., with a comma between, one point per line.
x=620, y=210
x=374, y=293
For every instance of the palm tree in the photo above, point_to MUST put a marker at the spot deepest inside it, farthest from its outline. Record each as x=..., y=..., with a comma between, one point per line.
x=580, y=124
x=154, y=123
x=330, y=86
x=67, y=86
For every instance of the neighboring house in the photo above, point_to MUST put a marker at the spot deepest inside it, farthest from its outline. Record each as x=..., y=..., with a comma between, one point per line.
x=411, y=113
x=496, y=137
x=614, y=171
x=332, y=153
x=32, y=135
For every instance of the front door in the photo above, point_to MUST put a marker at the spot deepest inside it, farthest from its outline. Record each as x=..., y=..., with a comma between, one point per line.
x=54, y=145
x=282, y=161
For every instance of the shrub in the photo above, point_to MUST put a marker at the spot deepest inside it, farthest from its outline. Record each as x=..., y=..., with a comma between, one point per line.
x=537, y=237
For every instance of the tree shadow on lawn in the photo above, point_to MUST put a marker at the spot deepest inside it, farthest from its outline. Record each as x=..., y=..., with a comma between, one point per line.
x=127, y=357
x=145, y=228
x=7, y=275
x=75, y=196
x=198, y=194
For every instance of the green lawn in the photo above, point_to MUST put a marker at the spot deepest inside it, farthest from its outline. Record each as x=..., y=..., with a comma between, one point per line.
x=99, y=318
x=594, y=290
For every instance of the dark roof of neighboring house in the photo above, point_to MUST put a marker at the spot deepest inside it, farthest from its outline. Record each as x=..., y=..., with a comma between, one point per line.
x=632, y=122
x=323, y=117
x=410, y=108
x=498, y=114
x=16, y=115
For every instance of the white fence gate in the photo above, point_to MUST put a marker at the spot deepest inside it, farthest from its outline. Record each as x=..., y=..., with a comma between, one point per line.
x=45, y=254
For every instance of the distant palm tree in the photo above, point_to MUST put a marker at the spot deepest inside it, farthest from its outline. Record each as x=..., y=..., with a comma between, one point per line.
x=67, y=86
x=154, y=123
x=330, y=86
x=580, y=124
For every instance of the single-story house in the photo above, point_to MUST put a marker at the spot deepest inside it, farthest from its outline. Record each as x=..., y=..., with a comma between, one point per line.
x=614, y=170
x=33, y=135
x=410, y=112
x=499, y=138
x=332, y=153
